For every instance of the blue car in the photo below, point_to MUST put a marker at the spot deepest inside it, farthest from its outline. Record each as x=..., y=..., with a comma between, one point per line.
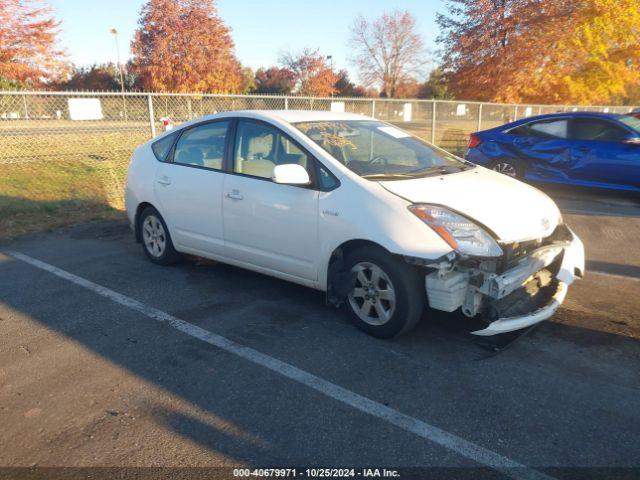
x=578, y=148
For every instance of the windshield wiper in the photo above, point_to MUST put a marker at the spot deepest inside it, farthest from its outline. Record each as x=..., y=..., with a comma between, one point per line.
x=388, y=175
x=440, y=169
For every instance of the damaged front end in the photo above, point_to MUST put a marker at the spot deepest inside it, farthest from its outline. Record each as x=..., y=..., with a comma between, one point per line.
x=523, y=287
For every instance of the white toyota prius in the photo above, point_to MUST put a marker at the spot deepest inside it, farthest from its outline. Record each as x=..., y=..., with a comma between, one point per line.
x=386, y=224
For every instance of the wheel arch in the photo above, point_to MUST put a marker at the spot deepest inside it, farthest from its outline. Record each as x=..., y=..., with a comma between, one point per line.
x=139, y=209
x=337, y=279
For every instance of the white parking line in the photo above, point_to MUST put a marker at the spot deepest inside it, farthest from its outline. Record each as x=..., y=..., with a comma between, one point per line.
x=422, y=429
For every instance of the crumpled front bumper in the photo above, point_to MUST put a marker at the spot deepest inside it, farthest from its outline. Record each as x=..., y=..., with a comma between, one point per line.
x=572, y=267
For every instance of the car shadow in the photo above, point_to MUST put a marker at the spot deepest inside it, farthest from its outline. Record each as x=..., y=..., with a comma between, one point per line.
x=632, y=271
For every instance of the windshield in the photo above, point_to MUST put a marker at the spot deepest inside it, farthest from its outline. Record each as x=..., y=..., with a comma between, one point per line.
x=631, y=121
x=375, y=150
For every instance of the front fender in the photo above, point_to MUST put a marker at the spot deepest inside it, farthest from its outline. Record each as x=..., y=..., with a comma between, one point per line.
x=374, y=215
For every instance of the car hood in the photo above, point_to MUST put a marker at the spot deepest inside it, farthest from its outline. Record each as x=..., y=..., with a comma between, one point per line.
x=512, y=210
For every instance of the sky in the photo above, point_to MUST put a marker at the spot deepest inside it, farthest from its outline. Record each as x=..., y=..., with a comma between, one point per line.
x=261, y=29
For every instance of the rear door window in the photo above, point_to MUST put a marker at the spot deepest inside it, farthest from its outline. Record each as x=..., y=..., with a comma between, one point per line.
x=549, y=128
x=202, y=145
x=554, y=128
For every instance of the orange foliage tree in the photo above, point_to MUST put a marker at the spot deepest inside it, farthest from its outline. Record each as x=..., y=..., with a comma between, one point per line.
x=551, y=51
x=28, y=51
x=311, y=73
x=184, y=46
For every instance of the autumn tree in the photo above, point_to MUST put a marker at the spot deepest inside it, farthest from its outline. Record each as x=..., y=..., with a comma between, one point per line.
x=28, y=50
x=103, y=77
x=388, y=51
x=184, y=46
x=312, y=74
x=275, y=80
x=248, y=83
x=436, y=86
x=552, y=51
x=409, y=88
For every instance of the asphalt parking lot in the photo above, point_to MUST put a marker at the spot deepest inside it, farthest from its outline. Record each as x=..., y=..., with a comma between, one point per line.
x=109, y=360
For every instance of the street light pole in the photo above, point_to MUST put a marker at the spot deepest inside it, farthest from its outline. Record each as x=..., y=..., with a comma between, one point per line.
x=333, y=83
x=114, y=32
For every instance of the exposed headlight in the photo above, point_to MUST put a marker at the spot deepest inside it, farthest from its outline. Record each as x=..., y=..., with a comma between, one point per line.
x=459, y=232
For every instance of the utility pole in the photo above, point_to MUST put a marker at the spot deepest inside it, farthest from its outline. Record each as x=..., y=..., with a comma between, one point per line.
x=114, y=32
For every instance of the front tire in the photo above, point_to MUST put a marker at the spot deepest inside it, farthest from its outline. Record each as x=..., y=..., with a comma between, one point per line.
x=156, y=240
x=389, y=298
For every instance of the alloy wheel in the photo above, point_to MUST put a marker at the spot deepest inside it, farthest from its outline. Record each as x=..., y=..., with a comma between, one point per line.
x=506, y=169
x=154, y=236
x=373, y=299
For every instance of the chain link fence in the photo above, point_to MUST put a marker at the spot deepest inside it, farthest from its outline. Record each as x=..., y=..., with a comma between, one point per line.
x=64, y=155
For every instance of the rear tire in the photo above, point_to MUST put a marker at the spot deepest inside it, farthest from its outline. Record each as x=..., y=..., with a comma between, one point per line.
x=389, y=297
x=509, y=167
x=156, y=240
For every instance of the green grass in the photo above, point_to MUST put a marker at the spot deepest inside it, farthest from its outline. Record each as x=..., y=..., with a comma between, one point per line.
x=54, y=181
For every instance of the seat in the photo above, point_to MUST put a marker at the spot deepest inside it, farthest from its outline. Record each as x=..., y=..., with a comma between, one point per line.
x=256, y=159
x=190, y=156
x=215, y=163
x=258, y=168
x=287, y=158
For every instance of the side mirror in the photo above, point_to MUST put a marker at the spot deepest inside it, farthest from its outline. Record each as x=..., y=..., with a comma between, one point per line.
x=632, y=141
x=291, y=174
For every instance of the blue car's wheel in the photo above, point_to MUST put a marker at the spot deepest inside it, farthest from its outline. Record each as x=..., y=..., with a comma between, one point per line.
x=508, y=167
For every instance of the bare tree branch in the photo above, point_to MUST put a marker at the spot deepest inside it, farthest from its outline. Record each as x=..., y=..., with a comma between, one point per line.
x=387, y=51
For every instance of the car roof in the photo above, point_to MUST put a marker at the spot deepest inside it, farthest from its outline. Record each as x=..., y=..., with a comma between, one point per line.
x=289, y=116
x=551, y=116
x=579, y=113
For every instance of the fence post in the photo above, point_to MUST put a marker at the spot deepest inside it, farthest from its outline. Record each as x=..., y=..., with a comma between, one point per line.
x=373, y=109
x=433, y=122
x=479, y=118
x=26, y=110
x=515, y=114
x=152, y=122
x=286, y=103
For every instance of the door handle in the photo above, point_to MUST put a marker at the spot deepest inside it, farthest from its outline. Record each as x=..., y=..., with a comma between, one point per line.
x=584, y=149
x=164, y=181
x=235, y=195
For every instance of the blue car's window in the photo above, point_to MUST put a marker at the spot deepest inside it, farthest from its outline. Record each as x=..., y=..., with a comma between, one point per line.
x=631, y=121
x=555, y=128
x=543, y=129
x=596, y=129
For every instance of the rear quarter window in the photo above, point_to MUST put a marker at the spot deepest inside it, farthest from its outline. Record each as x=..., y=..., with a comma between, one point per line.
x=161, y=147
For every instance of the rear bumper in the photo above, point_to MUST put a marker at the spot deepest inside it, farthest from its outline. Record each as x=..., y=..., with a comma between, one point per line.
x=572, y=268
x=474, y=155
